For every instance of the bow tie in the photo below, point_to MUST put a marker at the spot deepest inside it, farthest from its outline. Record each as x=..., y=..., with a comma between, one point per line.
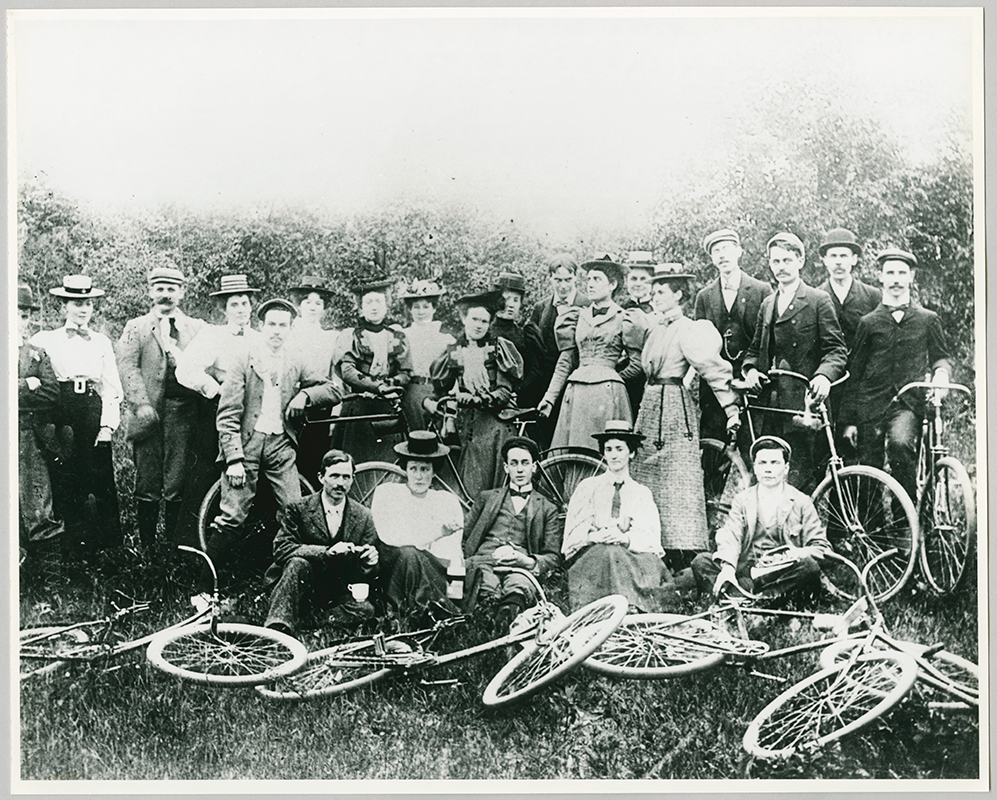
x=598, y=312
x=904, y=307
x=524, y=493
x=83, y=333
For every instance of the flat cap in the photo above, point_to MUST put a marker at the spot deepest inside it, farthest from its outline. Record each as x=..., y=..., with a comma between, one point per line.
x=785, y=237
x=896, y=254
x=724, y=235
x=166, y=275
x=278, y=303
x=770, y=443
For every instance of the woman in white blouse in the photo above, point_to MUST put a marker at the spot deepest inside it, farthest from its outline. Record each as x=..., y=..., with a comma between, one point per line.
x=420, y=529
x=88, y=412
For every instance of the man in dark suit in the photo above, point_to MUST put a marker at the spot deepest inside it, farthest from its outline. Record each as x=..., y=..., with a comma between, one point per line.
x=514, y=526
x=566, y=298
x=797, y=330
x=852, y=299
x=731, y=303
x=897, y=343
x=162, y=413
x=326, y=542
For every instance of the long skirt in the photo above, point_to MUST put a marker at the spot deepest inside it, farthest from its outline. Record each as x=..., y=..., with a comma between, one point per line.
x=604, y=569
x=669, y=464
x=482, y=435
x=415, y=415
x=411, y=579
x=585, y=409
x=366, y=441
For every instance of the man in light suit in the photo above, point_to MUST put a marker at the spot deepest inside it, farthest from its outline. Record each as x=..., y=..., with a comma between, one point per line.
x=161, y=413
x=797, y=330
x=326, y=541
x=731, y=303
x=772, y=542
x=264, y=389
x=565, y=299
x=514, y=526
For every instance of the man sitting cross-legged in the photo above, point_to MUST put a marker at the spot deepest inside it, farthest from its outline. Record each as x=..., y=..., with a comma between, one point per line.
x=326, y=542
x=514, y=526
x=772, y=542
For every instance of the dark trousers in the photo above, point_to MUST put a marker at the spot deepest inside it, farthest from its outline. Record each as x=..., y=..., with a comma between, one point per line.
x=204, y=470
x=34, y=508
x=900, y=430
x=804, y=575
x=314, y=583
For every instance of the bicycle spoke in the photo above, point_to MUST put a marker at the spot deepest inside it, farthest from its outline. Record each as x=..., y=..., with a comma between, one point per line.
x=948, y=524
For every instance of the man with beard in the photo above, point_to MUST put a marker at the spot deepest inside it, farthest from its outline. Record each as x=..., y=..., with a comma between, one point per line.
x=162, y=413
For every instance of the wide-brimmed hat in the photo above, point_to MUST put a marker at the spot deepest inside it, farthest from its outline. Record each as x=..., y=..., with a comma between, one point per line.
x=670, y=272
x=768, y=442
x=422, y=446
x=312, y=283
x=640, y=259
x=619, y=429
x=512, y=281
x=486, y=298
x=424, y=290
x=26, y=298
x=839, y=237
x=76, y=287
x=233, y=284
x=896, y=254
x=606, y=266
x=277, y=302
x=785, y=237
x=376, y=283
x=166, y=275
x=723, y=235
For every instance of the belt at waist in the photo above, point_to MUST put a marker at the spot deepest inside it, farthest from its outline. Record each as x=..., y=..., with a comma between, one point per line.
x=664, y=382
x=79, y=386
x=417, y=379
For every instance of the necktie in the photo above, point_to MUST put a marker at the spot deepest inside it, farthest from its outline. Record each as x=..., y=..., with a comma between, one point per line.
x=240, y=332
x=614, y=512
x=174, y=333
x=81, y=332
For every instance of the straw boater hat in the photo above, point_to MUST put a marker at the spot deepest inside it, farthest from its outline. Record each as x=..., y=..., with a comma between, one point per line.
x=76, y=287
x=278, y=303
x=424, y=290
x=422, y=446
x=640, y=259
x=26, y=298
x=312, y=283
x=620, y=429
x=166, y=275
x=778, y=442
x=670, y=272
x=839, y=237
x=233, y=284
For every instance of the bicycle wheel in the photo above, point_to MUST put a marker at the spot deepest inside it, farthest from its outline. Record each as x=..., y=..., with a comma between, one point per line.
x=334, y=670
x=45, y=650
x=371, y=474
x=665, y=646
x=554, y=653
x=232, y=655
x=262, y=517
x=724, y=475
x=866, y=512
x=558, y=476
x=829, y=705
x=947, y=515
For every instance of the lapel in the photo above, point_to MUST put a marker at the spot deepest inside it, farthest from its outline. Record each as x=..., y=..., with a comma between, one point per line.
x=614, y=309
x=796, y=305
x=715, y=297
x=157, y=333
x=751, y=512
x=783, y=511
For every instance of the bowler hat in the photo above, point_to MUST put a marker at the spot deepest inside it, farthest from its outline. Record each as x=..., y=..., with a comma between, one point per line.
x=724, y=235
x=768, y=442
x=607, y=267
x=896, y=254
x=839, y=237
x=422, y=446
x=76, y=287
x=312, y=283
x=279, y=303
x=512, y=281
x=640, y=259
x=424, y=290
x=166, y=275
x=233, y=284
x=486, y=298
x=670, y=272
x=619, y=429
x=25, y=297
x=784, y=238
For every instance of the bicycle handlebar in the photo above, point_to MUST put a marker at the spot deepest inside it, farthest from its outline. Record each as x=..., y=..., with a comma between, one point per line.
x=790, y=374
x=929, y=385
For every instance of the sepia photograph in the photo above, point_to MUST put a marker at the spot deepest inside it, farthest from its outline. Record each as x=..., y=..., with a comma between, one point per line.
x=497, y=399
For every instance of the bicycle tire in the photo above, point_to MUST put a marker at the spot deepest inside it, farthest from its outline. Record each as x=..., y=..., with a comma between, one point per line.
x=371, y=474
x=830, y=704
x=947, y=516
x=554, y=653
x=262, y=518
x=558, y=476
x=641, y=647
x=871, y=514
x=327, y=672
x=232, y=655
x=724, y=475
x=51, y=653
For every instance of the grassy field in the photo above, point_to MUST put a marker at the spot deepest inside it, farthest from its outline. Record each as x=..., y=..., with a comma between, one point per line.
x=133, y=722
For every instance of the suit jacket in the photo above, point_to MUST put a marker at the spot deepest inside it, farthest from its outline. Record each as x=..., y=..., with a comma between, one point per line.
x=796, y=517
x=544, y=315
x=544, y=528
x=33, y=362
x=241, y=399
x=889, y=354
x=807, y=340
x=304, y=533
x=860, y=300
x=142, y=360
x=737, y=328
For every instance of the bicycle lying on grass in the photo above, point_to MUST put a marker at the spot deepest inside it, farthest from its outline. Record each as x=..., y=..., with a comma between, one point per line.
x=552, y=645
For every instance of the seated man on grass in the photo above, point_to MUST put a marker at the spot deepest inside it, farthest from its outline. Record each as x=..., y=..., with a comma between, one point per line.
x=326, y=543
x=772, y=542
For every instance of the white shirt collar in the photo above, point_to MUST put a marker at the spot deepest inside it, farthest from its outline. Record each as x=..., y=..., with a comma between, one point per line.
x=789, y=290
x=569, y=302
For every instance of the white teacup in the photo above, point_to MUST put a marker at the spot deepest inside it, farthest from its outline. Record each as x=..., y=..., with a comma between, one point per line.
x=360, y=591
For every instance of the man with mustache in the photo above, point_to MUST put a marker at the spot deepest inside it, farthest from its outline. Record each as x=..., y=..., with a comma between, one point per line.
x=796, y=330
x=162, y=413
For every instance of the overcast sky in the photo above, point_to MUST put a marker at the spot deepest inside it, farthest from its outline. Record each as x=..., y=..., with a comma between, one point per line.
x=561, y=123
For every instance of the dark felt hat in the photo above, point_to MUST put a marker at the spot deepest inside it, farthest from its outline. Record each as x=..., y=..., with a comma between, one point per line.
x=723, y=235
x=522, y=442
x=768, y=442
x=422, y=446
x=312, y=283
x=512, y=281
x=26, y=298
x=76, y=287
x=896, y=254
x=607, y=267
x=233, y=284
x=839, y=237
x=619, y=429
x=486, y=298
x=278, y=303
x=376, y=283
